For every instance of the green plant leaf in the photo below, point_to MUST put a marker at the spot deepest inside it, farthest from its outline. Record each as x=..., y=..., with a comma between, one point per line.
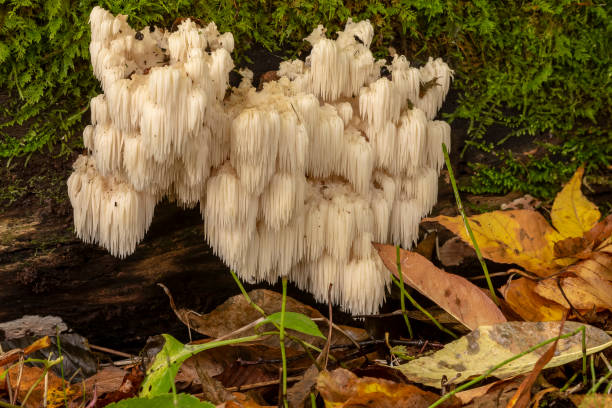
x=162, y=401
x=162, y=372
x=295, y=321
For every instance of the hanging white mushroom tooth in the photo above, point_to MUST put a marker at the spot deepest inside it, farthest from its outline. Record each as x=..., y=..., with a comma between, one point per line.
x=426, y=189
x=107, y=149
x=379, y=103
x=411, y=139
x=282, y=199
x=119, y=98
x=293, y=144
x=107, y=210
x=438, y=71
x=220, y=68
x=254, y=147
x=404, y=222
x=316, y=209
x=228, y=203
x=326, y=143
x=357, y=160
x=438, y=132
x=196, y=158
x=226, y=41
x=357, y=275
x=383, y=143
x=406, y=79
x=328, y=70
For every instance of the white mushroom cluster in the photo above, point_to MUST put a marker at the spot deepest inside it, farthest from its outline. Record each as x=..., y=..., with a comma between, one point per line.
x=297, y=179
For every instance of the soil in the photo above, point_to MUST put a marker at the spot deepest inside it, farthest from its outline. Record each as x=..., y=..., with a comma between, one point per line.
x=46, y=270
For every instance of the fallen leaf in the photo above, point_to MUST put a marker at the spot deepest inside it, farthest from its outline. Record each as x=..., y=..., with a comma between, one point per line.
x=523, y=395
x=579, y=292
x=32, y=379
x=572, y=214
x=525, y=202
x=244, y=401
x=342, y=389
x=299, y=392
x=520, y=295
x=106, y=380
x=592, y=401
x=458, y=296
x=454, y=251
x=487, y=346
x=521, y=237
x=493, y=395
x=470, y=394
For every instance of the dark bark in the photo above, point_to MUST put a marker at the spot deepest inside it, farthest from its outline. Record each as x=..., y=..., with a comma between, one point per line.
x=45, y=269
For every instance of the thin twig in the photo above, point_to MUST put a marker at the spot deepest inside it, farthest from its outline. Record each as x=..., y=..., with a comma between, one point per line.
x=111, y=351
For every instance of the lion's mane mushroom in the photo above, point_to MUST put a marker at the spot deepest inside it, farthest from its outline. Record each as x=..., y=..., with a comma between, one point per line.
x=295, y=180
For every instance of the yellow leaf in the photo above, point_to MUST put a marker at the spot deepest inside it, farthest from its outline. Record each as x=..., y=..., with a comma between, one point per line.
x=487, y=346
x=521, y=237
x=572, y=214
x=579, y=292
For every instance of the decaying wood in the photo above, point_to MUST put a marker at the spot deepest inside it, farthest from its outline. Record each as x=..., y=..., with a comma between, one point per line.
x=46, y=269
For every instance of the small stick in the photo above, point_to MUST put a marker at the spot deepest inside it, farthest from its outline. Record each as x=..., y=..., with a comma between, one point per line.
x=110, y=351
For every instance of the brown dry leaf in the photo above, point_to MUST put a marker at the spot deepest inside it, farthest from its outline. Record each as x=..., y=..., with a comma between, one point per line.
x=106, y=380
x=582, y=247
x=488, y=346
x=493, y=395
x=525, y=202
x=592, y=401
x=521, y=297
x=29, y=377
x=572, y=214
x=343, y=389
x=472, y=394
x=521, y=237
x=458, y=296
x=579, y=292
x=243, y=401
x=454, y=251
x=523, y=395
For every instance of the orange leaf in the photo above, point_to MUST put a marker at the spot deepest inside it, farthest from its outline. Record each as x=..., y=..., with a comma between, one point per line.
x=462, y=299
x=521, y=237
x=343, y=389
x=522, y=299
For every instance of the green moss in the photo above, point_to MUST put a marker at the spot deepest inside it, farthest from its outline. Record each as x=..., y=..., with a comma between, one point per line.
x=535, y=66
